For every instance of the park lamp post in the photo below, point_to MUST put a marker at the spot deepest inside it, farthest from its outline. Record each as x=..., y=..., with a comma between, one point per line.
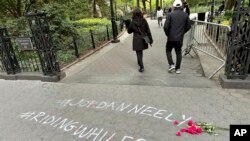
x=113, y=22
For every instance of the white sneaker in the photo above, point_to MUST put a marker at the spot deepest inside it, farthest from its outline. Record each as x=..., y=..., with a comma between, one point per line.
x=178, y=71
x=171, y=68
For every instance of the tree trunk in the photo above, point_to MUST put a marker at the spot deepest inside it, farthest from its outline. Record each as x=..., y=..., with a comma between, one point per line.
x=138, y=3
x=144, y=4
x=18, y=8
x=150, y=5
x=156, y=4
x=230, y=4
x=94, y=9
x=12, y=8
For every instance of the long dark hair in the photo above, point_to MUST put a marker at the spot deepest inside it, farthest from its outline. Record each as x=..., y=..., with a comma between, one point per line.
x=137, y=14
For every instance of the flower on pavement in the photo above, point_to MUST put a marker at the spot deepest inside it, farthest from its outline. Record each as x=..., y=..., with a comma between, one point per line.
x=178, y=133
x=190, y=123
x=192, y=129
x=175, y=122
x=183, y=130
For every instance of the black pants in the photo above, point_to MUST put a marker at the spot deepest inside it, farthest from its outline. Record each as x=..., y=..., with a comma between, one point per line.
x=177, y=46
x=160, y=21
x=139, y=54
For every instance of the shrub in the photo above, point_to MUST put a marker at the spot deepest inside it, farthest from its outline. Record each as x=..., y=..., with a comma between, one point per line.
x=91, y=22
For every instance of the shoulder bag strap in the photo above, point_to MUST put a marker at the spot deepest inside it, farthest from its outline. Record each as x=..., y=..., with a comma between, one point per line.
x=140, y=31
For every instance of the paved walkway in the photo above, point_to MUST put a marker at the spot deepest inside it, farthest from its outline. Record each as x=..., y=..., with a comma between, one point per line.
x=105, y=98
x=117, y=64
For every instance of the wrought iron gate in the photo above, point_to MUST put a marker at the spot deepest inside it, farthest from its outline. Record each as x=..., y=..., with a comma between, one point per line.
x=238, y=54
x=8, y=58
x=18, y=54
x=43, y=41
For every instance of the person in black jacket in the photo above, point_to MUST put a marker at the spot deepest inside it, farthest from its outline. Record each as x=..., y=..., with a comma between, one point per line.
x=176, y=25
x=139, y=26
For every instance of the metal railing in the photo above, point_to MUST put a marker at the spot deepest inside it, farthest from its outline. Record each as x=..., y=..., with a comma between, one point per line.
x=83, y=42
x=66, y=51
x=2, y=69
x=211, y=39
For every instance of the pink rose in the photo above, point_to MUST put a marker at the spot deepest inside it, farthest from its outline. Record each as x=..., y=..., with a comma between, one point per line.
x=178, y=133
x=190, y=123
x=176, y=122
x=199, y=130
x=183, y=130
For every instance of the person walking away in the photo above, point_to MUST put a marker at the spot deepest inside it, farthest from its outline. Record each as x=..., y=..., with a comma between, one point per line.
x=139, y=26
x=121, y=22
x=176, y=25
x=186, y=8
x=159, y=15
x=221, y=7
x=169, y=10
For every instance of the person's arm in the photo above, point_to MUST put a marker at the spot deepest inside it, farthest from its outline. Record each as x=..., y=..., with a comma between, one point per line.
x=188, y=24
x=167, y=24
x=188, y=10
x=130, y=28
x=149, y=32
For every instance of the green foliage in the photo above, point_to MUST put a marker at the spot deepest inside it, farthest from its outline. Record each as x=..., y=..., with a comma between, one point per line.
x=67, y=18
x=92, y=22
x=12, y=8
x=228, y=14
x=83, y=26
x=225, y=19
x=17, y=27
x=78, y=9
x=61, y=30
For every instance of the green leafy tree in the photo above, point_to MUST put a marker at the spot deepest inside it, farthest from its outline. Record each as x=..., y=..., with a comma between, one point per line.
x=156, y=5
x=12, y=8
x=229, y=4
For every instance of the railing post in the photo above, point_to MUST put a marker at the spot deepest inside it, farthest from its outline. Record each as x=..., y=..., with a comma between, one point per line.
x=7, y=54
x=92, y=39
x=75, y=46
x=107, y=32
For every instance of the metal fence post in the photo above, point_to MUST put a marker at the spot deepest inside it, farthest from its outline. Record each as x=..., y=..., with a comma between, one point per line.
x=75, y=46
x=107, y=32
x=7, y=54
x=92, y=39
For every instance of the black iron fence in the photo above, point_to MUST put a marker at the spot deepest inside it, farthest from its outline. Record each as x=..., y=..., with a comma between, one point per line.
x=36, y=51
x=81, y=43
x=26, y=52
x=238, y=54
x=8, y=57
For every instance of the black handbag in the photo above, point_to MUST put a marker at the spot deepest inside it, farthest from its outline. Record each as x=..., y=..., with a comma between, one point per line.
x=145, y=37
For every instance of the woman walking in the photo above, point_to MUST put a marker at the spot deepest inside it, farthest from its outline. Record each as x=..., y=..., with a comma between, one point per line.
x=139, y=26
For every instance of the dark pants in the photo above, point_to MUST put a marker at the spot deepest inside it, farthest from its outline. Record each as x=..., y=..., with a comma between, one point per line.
x=139, y=54
x=177, y=46
x=160, y=21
